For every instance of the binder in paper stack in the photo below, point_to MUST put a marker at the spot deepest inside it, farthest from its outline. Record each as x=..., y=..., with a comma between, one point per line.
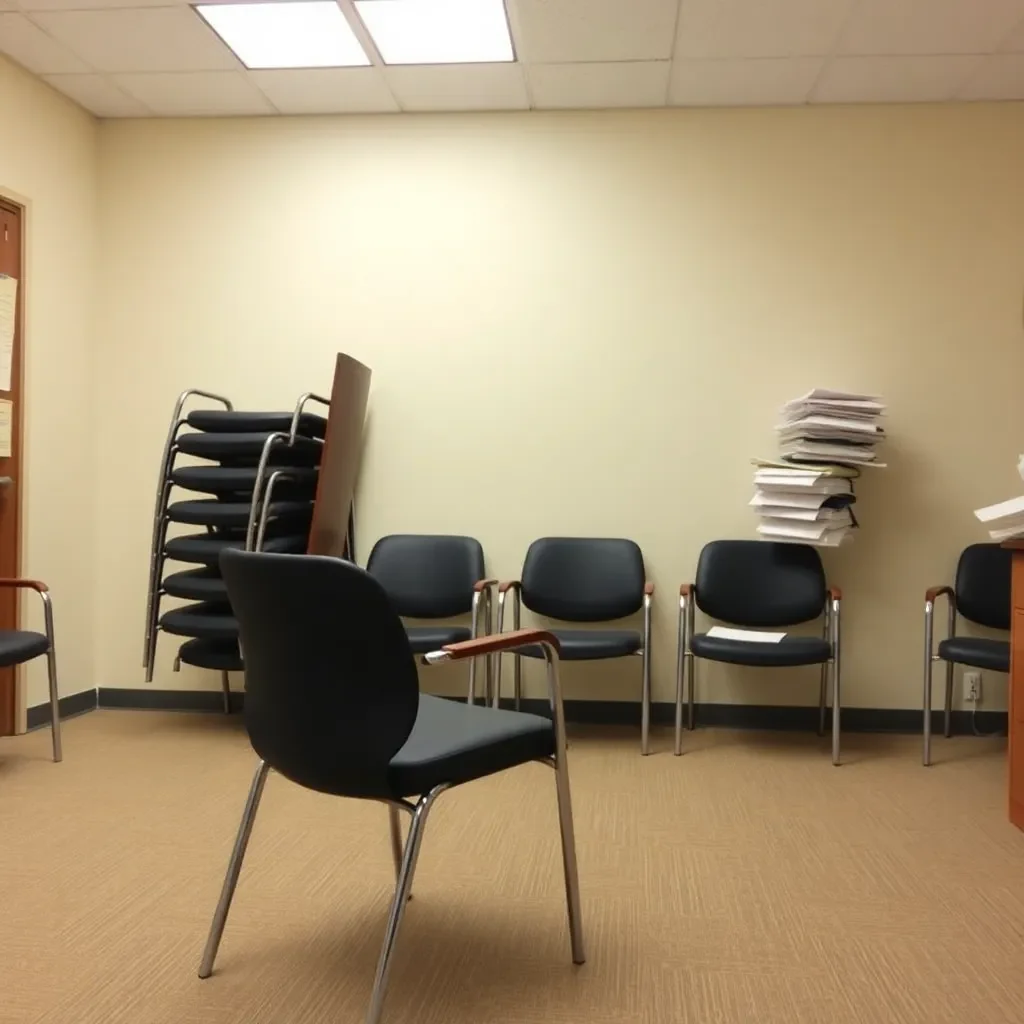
x=825, y=438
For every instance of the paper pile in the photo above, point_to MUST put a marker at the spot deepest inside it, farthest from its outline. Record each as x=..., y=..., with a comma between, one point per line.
x=1005, y=520
x=831, y=427
x=803, y=504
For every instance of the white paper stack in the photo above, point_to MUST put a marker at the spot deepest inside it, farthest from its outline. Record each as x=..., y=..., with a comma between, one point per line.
x=1005, y=520
x=832, y=427
x=803, y=504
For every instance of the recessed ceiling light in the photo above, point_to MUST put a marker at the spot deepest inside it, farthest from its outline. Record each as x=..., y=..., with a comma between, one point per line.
x=286, y=35
x=438, y=31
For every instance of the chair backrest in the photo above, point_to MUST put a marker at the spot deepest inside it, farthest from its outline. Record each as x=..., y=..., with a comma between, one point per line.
x=583, y=579
x=983, y=585
x=427, y=576
x=331, y=692
x=758, y=583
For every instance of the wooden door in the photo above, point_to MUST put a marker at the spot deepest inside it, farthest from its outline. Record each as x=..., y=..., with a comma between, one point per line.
x=11, y=264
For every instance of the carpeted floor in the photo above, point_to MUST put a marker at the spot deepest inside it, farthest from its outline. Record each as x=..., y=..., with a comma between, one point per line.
x=748, y=881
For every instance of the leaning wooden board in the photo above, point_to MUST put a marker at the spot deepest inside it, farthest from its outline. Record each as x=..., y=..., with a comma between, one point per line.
x=340, y=462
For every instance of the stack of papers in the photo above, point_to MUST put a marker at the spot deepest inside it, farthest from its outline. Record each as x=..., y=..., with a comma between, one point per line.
x=832, y=427
x=1005, y=521
x=803, y=504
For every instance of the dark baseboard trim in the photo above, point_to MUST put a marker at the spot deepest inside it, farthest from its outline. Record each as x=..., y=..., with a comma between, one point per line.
x=74, y=704
x=614, y=712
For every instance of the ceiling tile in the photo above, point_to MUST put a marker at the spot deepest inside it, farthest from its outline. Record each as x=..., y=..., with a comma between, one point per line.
x=196, y=94
x=597, y=86
x=1014, y=42
x=929, y=26
x=31, y=47
x=459, y=87
x=98, y=95
x=82, y=5
x=1000, y=77
x=565, y=31
x=150, y=39
x=765, y=81
x=914, y=79
x=326, y=91
x=759, y=28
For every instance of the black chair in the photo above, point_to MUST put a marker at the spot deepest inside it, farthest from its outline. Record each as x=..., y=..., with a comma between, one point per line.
x=18, y=646
x=436, y=577
x=758, y=584
x=332, y=703
x=981, y=594
x=584, y=579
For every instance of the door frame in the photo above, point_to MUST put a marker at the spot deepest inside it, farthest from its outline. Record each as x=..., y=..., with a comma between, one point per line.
x=24, y=204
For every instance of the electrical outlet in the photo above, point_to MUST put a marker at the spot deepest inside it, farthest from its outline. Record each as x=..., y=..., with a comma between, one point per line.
x=972, y=687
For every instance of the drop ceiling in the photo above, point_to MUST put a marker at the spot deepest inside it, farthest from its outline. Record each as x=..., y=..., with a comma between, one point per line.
x=141, y=58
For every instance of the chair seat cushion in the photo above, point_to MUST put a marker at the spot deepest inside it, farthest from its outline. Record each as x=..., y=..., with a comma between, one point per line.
x=19, y=645
x=219, y=655
x=589, y=644
x=241, y=481
x=423, y=639
x=977, y=652
x=791, y=650
x=205, y=620
x=452, y=742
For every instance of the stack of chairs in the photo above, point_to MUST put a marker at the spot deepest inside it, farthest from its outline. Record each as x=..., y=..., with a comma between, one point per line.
x=253, y=478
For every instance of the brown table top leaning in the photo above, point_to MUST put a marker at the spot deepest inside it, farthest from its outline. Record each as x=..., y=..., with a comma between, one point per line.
x=1016, y=686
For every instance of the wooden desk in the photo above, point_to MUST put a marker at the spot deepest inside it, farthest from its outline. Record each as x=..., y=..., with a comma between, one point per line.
x=1016, y=688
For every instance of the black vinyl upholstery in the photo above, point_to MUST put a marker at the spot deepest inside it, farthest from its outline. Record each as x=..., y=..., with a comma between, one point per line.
x=20, y=645
x=196, y=585
x=206, y=548
x=590, y=644
x=241, y=480
x=790, y=651
x=225, y=421
x=983, y=585
x=760, y=584
x=207, y=620
x=427, y=576
x=212, y=512
x=977, y=652
x=332, y=696
x=216, y=655
x=231, y=447
x=424, y=639
x=583, y=579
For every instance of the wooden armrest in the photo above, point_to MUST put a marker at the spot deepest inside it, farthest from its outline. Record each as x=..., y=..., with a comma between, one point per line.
x=508, y=585
x=686, y=590
x=835, y=594
x=648, y=590
x=36, y=585
x=499, y=642
x=932, y=593
x=483, y=585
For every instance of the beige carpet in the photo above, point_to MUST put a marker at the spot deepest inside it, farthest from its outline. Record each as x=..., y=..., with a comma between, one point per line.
x=748, y=881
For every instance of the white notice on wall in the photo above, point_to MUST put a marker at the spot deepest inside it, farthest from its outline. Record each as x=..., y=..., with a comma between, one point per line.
x=8, y=308
x=6, y=427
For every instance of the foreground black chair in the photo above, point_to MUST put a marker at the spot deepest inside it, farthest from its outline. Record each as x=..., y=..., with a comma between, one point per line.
x=981, y=594
x=333, y=704
x=584, y=579
x=434, y=576
x=759, y=584
x=18, y=646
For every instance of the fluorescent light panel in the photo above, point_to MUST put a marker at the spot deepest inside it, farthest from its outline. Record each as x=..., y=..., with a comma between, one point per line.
x=438, y=31
x=311, y=34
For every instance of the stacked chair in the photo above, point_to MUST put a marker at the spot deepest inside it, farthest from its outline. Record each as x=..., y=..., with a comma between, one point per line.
x=251, y=478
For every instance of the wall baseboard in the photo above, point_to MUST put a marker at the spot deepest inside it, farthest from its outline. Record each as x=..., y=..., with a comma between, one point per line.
x=613, y=712
x=74, y=704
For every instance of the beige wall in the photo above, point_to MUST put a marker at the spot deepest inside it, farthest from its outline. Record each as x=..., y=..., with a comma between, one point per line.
x=48, y=162
x=582, y=324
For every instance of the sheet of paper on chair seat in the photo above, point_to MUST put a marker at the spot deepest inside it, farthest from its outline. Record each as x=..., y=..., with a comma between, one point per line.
x=753, y=636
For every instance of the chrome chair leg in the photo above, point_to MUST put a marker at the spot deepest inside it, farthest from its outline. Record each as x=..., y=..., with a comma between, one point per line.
x=401, y=898
x=572, y=878
x=227, y=891
x=836, y=690
x=225, y=682
x=680, y=670
x=948, y=724
x=823, y=696
x=926, y=703
x=691, y=670
x=396, y=839
x=645, y=706
x=51, y=668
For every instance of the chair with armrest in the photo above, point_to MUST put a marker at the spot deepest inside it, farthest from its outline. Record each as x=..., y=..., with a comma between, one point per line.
x=435, y=576
x=980, y=594
x=333, y=705
x=584, y=579
x=758, y=584
x=18, y=646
